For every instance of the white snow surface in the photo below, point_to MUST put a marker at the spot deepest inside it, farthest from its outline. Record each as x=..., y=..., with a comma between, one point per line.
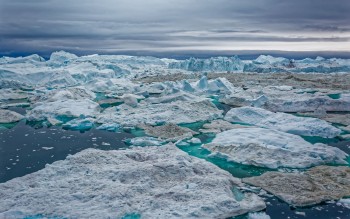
x=154, y=182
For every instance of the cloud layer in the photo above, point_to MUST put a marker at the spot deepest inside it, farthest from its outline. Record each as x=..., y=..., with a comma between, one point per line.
x=117, y=26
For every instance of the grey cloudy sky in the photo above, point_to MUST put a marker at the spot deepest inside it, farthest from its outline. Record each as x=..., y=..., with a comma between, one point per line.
x=117, y=26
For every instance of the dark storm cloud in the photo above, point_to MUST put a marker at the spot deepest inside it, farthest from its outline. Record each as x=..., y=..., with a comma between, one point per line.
x=108, y=26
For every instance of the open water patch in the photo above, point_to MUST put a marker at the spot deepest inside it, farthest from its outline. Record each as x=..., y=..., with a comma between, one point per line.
x=26, y=149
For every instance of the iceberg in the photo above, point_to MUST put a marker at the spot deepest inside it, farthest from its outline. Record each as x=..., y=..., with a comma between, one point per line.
x=154, y=182
x=272, y=149
x=66, y=108
x=218, y=64
x=177, y=112
x=283, y=122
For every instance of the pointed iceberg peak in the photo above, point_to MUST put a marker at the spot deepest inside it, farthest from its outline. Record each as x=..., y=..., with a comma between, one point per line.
x=203, y=83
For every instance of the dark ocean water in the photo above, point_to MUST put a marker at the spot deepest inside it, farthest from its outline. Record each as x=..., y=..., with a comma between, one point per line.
x=25, y=149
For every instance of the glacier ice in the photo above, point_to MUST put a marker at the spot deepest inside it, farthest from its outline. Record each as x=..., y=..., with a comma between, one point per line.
x=263, y=64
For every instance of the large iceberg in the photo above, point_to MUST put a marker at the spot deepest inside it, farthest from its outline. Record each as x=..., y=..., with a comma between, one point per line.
x=153, y=182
